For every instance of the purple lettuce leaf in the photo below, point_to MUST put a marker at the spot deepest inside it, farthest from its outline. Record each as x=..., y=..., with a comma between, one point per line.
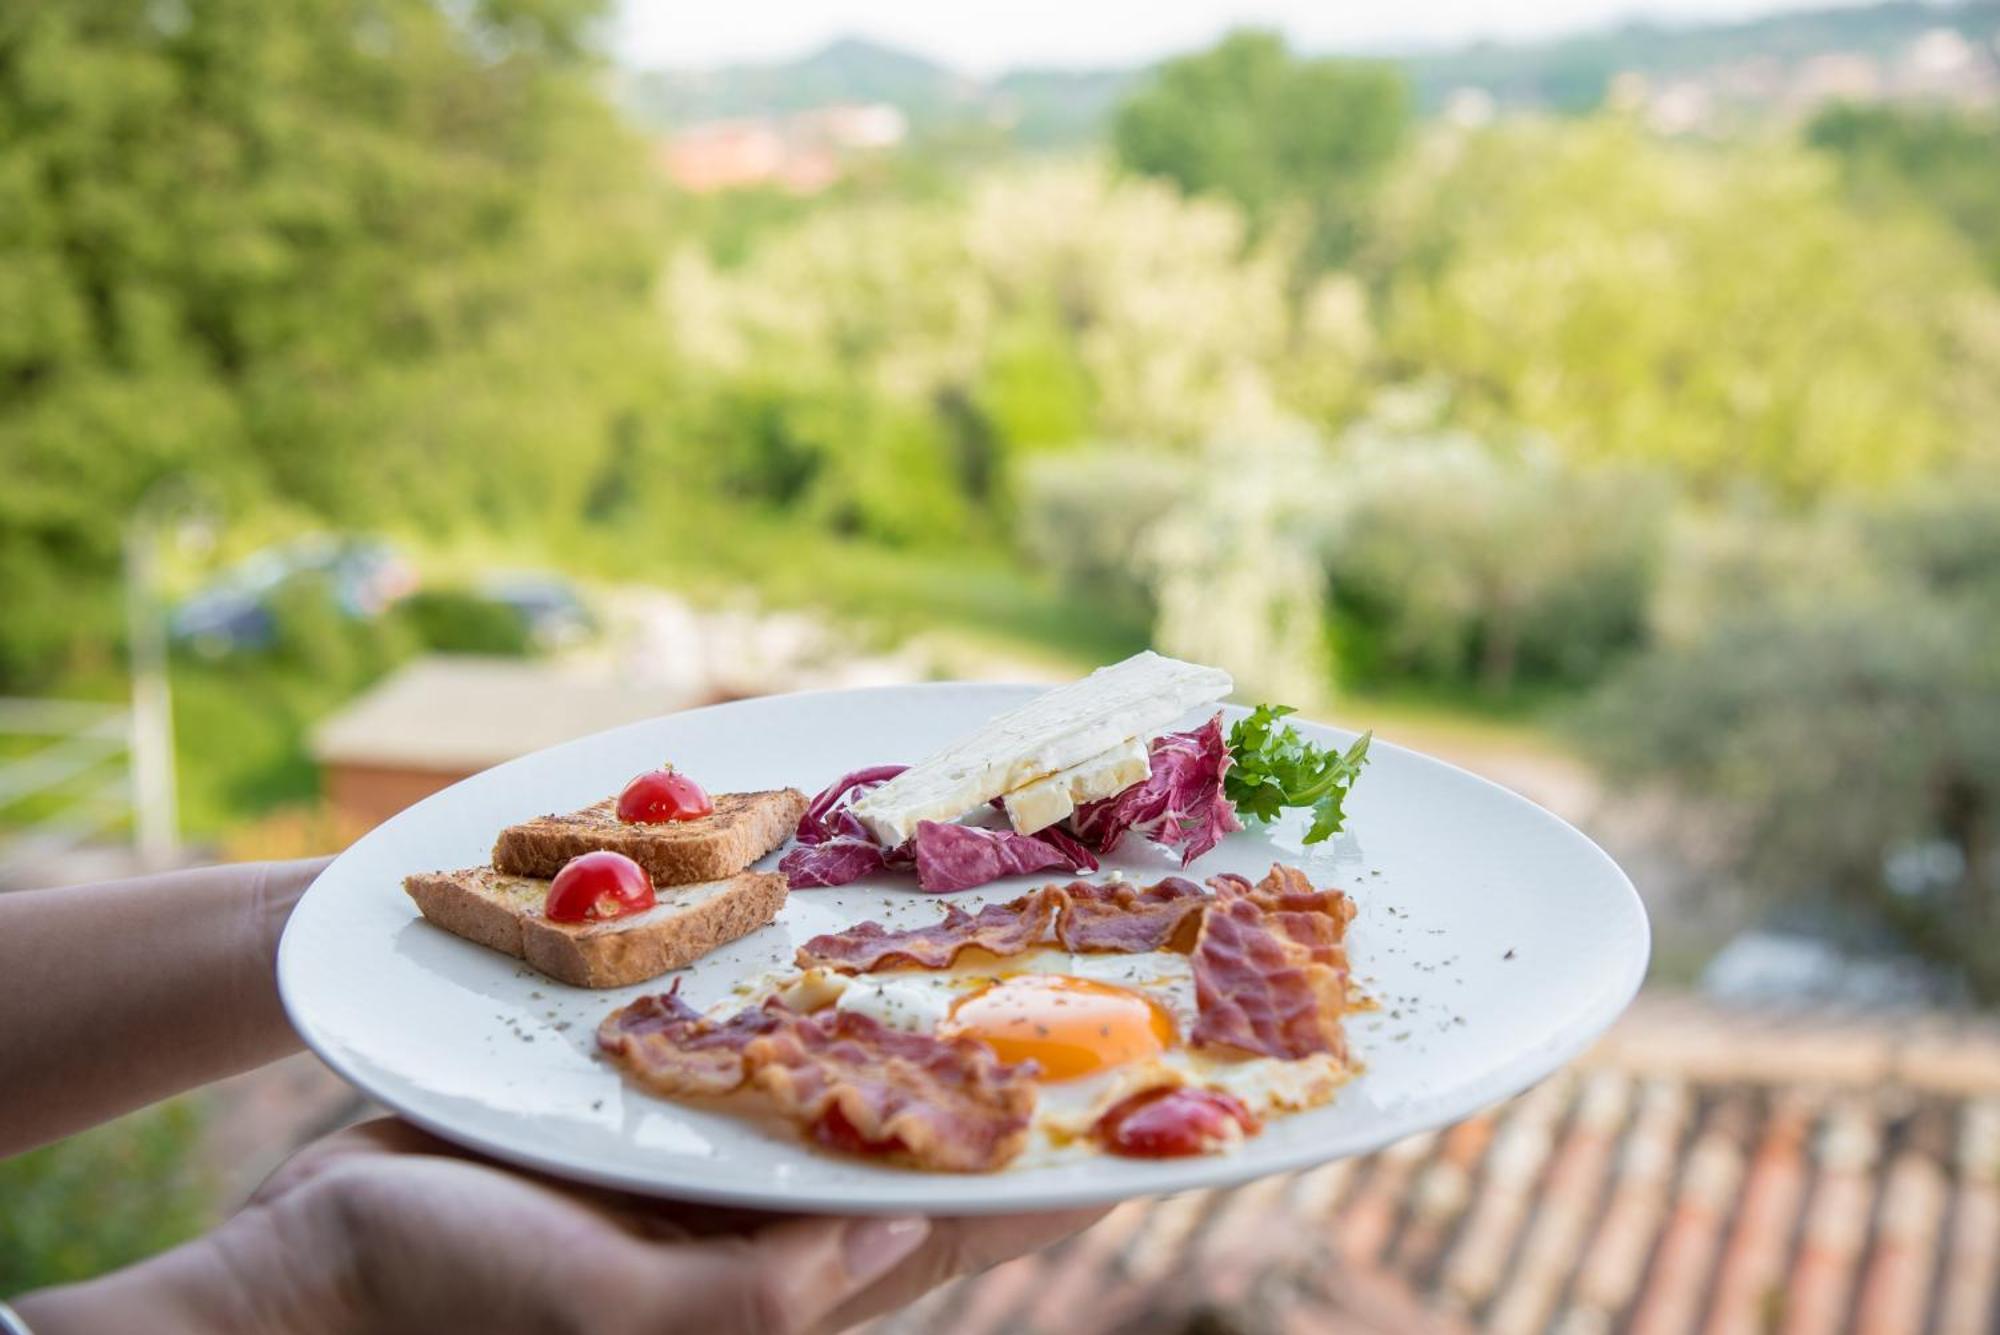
x=958, y=857
x=1180, y=805
x=831, y=814
x=832, y=862
x=835, y=848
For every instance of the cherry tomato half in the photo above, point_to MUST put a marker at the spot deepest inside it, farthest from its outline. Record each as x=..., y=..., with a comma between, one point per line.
x=662, y=795
x=1172, y=1123
x=597, y=886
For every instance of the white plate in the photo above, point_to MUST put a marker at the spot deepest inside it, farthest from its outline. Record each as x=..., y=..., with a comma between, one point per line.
x=1498, y=940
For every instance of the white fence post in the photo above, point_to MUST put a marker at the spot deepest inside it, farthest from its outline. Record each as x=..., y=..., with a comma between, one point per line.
x=156, y=817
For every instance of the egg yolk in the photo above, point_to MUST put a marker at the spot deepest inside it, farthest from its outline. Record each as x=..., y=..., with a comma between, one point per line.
x=1072, y=1027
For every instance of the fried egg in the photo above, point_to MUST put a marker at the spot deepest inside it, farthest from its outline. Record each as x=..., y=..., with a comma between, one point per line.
x=1100, y=1027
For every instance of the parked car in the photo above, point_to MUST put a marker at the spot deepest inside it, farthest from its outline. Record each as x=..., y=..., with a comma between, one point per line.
x=549, y=606
x=233, y=613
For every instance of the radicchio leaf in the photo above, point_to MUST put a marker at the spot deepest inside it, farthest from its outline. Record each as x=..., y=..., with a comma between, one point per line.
x=1180, y=805
x=957, y=857
x=831, y=814
x=835, y=862
x=834, y=847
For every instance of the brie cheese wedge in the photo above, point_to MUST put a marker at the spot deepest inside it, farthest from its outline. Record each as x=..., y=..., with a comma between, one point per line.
x=1040, y=804
x=1058, y=730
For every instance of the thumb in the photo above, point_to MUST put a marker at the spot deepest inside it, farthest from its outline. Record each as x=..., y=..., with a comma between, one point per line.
x=786, y=1278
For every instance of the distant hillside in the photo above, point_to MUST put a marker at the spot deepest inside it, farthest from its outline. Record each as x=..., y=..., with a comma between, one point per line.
x=849, y=70
x=1570, y=74
x=1053, y=107
x=1045, y=107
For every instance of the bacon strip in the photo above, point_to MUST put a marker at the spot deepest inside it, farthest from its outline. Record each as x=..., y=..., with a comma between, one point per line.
x=1005, y=929
x=945, y=1104
x=672, y=1048
x=1270, y=969
x=948, y=1105
x=1116, y=917
x=1120, y=916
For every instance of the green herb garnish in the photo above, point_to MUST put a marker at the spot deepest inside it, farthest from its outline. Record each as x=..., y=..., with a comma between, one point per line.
x=1274, y=768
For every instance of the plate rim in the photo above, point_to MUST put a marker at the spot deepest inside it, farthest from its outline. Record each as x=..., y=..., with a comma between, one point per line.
x=920, y=1191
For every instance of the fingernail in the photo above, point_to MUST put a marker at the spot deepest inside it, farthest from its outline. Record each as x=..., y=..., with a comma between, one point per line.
x=871, y=1248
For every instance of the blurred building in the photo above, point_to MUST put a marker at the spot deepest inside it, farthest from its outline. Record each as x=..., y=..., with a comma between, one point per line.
x=803, y=154
x=1938, y=67
x=442, y=719
x=445, y=717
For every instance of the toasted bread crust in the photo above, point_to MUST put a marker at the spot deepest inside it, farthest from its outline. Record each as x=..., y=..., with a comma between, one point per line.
x=479, y=905
x=504, y=912
x=743, y=828
x=604, y=955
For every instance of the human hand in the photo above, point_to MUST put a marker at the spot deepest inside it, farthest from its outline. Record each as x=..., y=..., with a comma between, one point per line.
x=385, y=1228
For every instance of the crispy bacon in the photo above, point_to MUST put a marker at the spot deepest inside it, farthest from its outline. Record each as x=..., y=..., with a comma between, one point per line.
x=1315, y=919
x=1120, y=916
x=1114, y=917
x=1005, y=929
x=852, y=1083
x=945, y=1104
x=674, y=1049
x=1270, y=969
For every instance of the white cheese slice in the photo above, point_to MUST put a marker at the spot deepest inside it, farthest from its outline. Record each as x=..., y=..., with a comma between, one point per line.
x=1054, y=731
x=1040, y=804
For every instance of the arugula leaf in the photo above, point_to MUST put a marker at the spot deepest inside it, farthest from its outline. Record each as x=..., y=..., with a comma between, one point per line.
x=1274, y=768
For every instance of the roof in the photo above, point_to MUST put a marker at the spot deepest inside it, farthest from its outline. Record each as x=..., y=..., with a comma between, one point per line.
x=458, y=714
x=1702, y=1170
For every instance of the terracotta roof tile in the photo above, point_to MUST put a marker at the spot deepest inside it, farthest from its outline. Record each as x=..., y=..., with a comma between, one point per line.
x=1752, y=1271
x=1570, y=1193
x=1702, y=1171
x=1687, y=1247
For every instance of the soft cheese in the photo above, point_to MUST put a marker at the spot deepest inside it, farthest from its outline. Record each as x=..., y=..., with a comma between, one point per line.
x=1040, y=804
x=1057, y=730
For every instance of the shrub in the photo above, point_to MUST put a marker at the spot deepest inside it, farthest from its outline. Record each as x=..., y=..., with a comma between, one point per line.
x=459, y=621
x=1457, y=563
x=1085, y=517
x=1849, y=728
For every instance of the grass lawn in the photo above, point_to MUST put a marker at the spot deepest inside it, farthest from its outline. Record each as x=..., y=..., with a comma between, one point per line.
x=104, y=1199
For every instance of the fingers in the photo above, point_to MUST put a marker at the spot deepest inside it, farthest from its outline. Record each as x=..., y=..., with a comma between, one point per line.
x=959, y=1247
x=674, y=1266
x=784, y=1279
x=644, y=1217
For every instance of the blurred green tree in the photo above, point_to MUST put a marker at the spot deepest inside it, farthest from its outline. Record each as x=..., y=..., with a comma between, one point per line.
x=1845, y=733
x=1248, y=121
x=1940, y=158
x=1715, y=310
x=1459, y=563
x=883, y=366
x=376, y=261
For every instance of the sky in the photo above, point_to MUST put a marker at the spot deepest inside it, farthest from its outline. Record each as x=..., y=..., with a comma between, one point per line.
x=983, y=36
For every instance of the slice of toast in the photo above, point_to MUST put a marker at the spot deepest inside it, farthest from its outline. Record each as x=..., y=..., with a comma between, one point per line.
x=505, y=913
x=743, y=828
